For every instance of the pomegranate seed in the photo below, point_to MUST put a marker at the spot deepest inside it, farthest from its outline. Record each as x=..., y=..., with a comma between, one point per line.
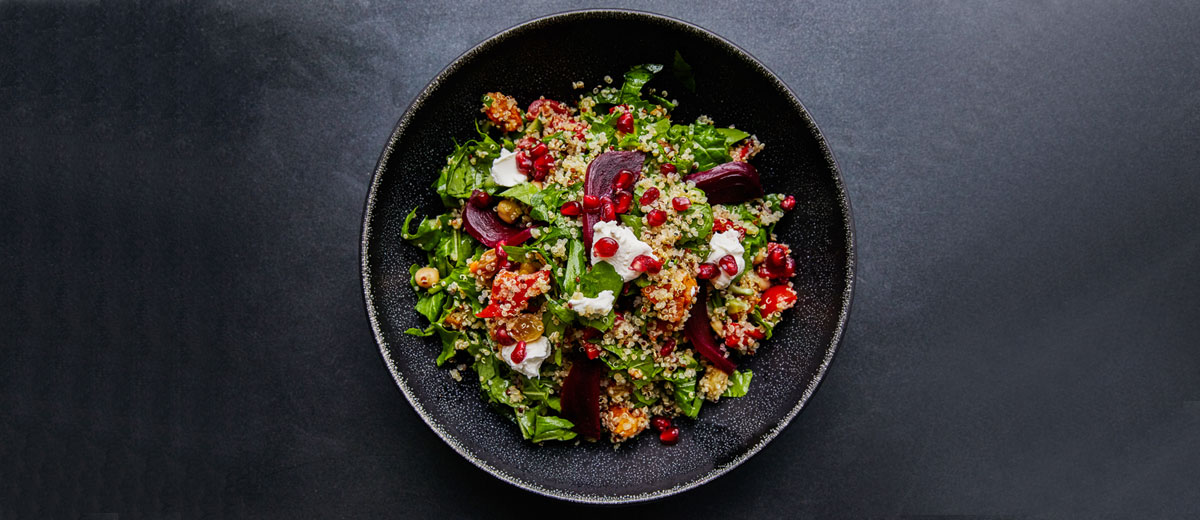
x=777, y=257
x=624, y=200
x=608, y=212
x=524, y=163
x=605, y=247
x=667, y=168
x=669, y=436
x=706, y=271
x=543, y=163
x=571, y=208
x=649, y=196
x=624, y=180
x=480, y=199
x=503, y=337
x=660, y=423
x=654, y=266
x=518, y=353
x=719, y=225
x=539, y=150
x=639, y=263
x=625, y=123
x=728, y=264
x=592, y=349
x=788, y=203
x=591, y=203
x=667, y=348
x=656, y=217
x=681, y=204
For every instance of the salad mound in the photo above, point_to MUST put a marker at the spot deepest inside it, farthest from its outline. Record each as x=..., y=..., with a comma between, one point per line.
x=601, y=267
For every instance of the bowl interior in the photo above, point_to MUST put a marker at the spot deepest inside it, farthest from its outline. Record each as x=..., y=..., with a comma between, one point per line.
x=545, y=57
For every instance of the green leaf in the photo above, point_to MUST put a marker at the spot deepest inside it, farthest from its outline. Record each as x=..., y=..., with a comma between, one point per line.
x=428, y=233
x=634, y=223
x=631, y=90
x=683, y=72
x=576, y=258
x=739, y=383
x=430, y=305
x=601, y=277
x=757, y=318
x=732, y=135
x=687, y=398
x=549, y=427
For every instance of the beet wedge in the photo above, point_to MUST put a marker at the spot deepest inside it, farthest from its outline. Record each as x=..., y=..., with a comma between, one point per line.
x=581, y=396
x=699, y=331
x=601, y=174
x=729, y=183
x=486, y=227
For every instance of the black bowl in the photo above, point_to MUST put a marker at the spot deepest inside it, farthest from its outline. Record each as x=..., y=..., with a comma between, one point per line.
x=544, y=57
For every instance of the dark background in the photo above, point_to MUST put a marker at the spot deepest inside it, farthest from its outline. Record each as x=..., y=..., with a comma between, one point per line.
x=182, y=328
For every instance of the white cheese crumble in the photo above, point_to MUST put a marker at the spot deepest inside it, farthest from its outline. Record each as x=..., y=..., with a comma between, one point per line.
x=629, y=247
x=726, y=244
x=596, y=307
x=536, y=351
x=504, y=170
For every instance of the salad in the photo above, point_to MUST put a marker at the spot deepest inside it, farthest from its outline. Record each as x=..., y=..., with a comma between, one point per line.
x=601, y=268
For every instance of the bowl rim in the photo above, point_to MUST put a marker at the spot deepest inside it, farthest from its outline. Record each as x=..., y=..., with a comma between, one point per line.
x=373, y=313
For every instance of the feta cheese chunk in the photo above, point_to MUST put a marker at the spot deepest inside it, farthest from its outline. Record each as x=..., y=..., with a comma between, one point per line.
x=725, y=244
x=536, y=351
x=504, y=170
x=596, y=307
x=629, y=247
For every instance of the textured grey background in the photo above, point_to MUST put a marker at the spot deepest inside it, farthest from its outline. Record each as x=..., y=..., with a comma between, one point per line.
x=181, y=189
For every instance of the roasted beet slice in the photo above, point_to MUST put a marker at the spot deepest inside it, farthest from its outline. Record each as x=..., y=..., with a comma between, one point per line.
x=581, y=396
x=485, y=226
x=699, y=331
x=599, y=182
x=729, y=183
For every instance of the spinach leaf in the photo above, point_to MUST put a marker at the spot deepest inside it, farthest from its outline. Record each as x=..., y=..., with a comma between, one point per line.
x=732, y=135
x=601, y=277
x=683, y=72
x=549, y=427
x=631, y=91
x=575, y=264
x=687, y=398
x=739, y=383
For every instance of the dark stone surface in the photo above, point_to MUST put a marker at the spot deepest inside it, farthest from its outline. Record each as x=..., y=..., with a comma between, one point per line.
x=181, y=189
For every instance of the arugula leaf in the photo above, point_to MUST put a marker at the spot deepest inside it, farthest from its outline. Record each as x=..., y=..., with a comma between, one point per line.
x=739, y=383
x=454, y=250
x=430, y=305
x=428, y=233
x=459, y=177
x=683, y=72
x=557, y=318
x=634, y=223
x=447, y=336
x=757, y=318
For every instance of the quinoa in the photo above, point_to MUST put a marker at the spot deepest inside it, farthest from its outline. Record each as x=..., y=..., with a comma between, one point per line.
x=495, y=304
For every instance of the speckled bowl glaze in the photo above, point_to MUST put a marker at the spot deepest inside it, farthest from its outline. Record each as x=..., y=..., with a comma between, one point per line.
x=544, y=57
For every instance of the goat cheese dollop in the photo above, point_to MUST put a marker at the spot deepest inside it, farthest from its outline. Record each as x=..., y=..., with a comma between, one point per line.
x=596, y=307
x=536, y=351
x=629, y=247
x=504, y=170
x=725, y=244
